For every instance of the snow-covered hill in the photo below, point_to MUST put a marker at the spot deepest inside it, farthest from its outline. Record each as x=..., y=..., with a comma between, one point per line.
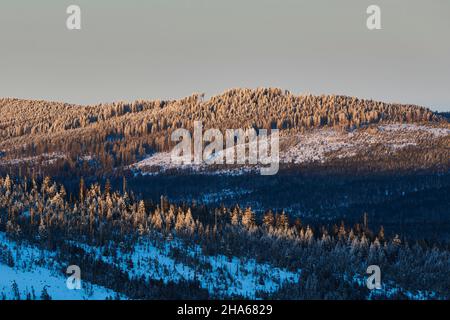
x=222, y=276
x=316, y=146
x=30, y=271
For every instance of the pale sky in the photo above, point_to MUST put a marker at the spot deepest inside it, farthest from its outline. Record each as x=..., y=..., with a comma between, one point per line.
x=159, y=49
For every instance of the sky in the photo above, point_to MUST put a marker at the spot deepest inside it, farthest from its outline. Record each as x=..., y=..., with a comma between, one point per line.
x=167, y=49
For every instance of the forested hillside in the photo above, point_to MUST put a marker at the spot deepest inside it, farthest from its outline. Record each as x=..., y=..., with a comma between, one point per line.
x=348, y=167
x=163, y=250
x=105, y=138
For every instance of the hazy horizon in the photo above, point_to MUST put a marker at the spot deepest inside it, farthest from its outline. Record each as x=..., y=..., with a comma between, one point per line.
x=157, y=49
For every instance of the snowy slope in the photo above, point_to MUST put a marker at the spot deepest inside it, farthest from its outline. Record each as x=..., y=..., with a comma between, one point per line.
x=36, y=269
x=39, y=278
x=220, y=275
x=319, y=145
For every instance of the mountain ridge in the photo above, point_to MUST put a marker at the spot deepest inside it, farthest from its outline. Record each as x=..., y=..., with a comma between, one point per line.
x=119, y=134
x=272, y=107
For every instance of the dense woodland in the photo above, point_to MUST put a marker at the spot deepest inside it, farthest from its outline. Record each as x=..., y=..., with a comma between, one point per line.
x=414, y=204
x=115, y=135
x=331, y=259
x=320, y=221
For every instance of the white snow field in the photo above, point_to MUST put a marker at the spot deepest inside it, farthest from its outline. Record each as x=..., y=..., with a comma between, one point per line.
x=31, y=276
x=223, y=277
x=318, y=145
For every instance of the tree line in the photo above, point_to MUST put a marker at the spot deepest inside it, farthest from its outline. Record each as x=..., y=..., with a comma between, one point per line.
x=100, y=138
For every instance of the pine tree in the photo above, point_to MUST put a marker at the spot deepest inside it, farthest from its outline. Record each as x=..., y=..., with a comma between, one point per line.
x=141, y=213
x=366, y=222
x=268, y=219
x=124, y=185
x=107, y=187
x=15, y=290
x=248, y=219
x=45, y=295
x=235, y=216
x=381, y=233
x=82, y=188
x=282, y=221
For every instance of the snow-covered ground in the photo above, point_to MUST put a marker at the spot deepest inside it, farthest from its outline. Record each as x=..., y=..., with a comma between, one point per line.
x=435, y=131
x=391, y=290
x=317, y=145
x=313, y=146
x=161, y=162
x=220, y=275
x=32, y=283
x=35, y=269
x=45, y=158
x=212, y=197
